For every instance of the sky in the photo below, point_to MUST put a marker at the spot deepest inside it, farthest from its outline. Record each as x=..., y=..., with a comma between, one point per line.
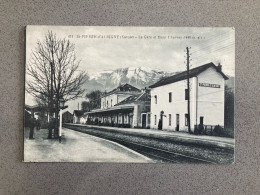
x=102, y=48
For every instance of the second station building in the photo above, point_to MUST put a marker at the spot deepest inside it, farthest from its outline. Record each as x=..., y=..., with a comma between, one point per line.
x=125, y=106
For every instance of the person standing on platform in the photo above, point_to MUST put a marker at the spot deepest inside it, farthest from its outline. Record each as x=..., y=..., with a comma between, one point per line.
x=31, y=125
x=160, y=124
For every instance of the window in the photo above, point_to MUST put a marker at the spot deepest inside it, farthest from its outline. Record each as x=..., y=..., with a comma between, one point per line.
x=170, y=97
x=170, y=119
x=186, y=119
x=155, y=119
x=177, y=119
x=107, y=103
x=111, y=102
x=155, y=99
x=186, y=94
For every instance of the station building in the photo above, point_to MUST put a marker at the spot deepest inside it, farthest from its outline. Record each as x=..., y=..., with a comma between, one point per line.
x=77, y=114
x=169, y=98
x=125, y=106
x=67, y=117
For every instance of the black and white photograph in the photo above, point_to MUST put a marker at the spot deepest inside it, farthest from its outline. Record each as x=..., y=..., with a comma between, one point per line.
x=119, y=94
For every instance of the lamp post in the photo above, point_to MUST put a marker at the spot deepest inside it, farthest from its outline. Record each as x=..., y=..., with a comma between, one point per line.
x=62, y=102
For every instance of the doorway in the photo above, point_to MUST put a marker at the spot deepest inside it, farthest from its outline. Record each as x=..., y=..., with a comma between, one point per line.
x=131, y=120
x=201, y=120
x=143, y=121
x=123, y=120
x=177, y=122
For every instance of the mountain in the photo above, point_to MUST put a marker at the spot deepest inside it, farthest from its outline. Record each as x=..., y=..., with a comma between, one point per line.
x=139, y=77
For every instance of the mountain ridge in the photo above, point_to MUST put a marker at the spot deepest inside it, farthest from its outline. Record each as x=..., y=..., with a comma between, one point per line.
x=139, y=77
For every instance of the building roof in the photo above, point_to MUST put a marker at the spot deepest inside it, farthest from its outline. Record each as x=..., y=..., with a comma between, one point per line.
x=111, y=109
x=67, y=113
x=123, y=88
x=183, y=75
x=78, y=112
x=134, y=98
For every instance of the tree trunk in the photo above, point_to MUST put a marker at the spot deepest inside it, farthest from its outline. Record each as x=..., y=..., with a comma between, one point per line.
x=31, y=133
x=56, y=130
x=56, y=127
x=50, y=124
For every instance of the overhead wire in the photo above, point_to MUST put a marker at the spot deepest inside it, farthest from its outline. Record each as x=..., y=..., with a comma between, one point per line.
x=216, y=38
x=211, y=45
x=206, y=55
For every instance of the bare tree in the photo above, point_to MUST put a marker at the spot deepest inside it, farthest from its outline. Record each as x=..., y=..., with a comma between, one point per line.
x=53, y=73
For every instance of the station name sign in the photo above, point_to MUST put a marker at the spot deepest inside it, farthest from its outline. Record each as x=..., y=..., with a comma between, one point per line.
x=209, y=85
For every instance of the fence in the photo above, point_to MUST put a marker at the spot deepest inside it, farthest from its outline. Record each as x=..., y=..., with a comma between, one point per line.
x=214, y=130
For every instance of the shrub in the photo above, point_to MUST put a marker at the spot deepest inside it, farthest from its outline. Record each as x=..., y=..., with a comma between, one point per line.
x=218, y=131
x=199, y=129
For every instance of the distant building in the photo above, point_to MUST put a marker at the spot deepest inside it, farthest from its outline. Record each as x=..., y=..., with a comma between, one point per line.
x=77, y=114
x=169, y=99
x=117, y=95
x=125, y=106
x=67, y=117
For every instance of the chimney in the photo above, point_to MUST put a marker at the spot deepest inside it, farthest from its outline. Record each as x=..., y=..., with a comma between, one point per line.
x=219, y=67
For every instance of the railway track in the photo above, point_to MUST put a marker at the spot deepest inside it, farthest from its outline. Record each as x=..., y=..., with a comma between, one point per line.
x=157, y=154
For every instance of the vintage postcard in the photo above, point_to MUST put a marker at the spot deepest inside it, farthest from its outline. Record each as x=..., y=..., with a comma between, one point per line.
x=129, y=94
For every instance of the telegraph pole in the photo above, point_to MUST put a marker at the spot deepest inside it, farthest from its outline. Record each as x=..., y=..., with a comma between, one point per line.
x=188, y=86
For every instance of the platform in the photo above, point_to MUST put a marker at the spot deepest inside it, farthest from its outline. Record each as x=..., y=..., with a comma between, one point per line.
x=174, y=135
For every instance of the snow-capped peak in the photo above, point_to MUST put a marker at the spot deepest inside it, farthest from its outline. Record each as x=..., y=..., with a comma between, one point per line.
x=139, y=77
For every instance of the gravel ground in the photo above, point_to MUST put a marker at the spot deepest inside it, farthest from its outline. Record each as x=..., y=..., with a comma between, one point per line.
x=214, y=154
